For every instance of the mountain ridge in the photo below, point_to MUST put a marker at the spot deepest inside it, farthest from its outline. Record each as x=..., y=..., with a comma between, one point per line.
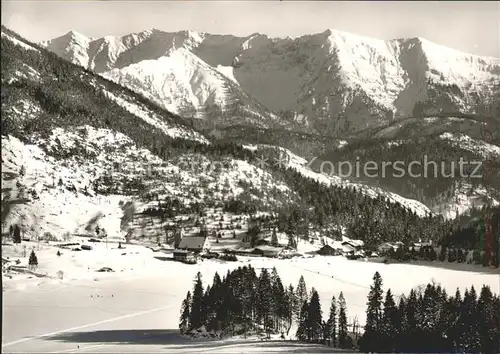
x=333, y=81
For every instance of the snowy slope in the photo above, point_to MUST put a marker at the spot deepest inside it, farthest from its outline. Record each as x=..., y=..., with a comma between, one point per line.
x=153, y=119
x=462, y=199
x=58, y=190
x=464, y=141
x=22, y=106
x=17, y=41
x=178, y=80
x=302, y=166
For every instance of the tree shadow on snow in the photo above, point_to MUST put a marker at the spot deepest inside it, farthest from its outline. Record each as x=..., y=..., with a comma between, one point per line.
x=126, y=336
x=173, y=340
x=242, y=345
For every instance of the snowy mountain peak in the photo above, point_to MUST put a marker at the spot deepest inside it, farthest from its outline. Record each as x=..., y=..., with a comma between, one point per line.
x=332, y=81
x=72, y=46
x=77, y=36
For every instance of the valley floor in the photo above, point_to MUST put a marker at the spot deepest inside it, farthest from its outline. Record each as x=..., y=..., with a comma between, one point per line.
x=137, y=307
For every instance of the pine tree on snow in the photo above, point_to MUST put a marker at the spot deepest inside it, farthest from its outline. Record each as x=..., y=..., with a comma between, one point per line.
x=389, y=322
x=314, y=318
x=291, y=303
x=265, y=302
x=248, y=297
x=301, y=293
x=489, y=324
x=196, y=315
x=208, y=308
x=185, y=314
x=332, y=323
x=216, y=302
x=278, y=299
x=470, y=338
x=455, y=321
x=343, y=330
x=370, y=340
x=303, y=319
x=33, y=260
x=400, y=342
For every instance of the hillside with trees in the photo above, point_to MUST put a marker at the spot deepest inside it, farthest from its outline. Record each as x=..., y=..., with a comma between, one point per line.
x=66, y=97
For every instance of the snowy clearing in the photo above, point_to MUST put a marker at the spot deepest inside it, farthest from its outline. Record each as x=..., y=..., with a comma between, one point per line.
x=136, y=308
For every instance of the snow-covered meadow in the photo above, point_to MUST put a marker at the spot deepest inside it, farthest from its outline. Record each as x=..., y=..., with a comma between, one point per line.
x=138, y=304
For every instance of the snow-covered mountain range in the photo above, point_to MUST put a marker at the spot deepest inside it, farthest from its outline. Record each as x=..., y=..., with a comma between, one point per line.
x=330, y=82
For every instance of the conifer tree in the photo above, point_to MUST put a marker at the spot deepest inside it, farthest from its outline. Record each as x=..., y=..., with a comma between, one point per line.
x=455, y=326
x=185, y=314
x=197, y=310
x=290, y=301
x=216, y=298
x=371, y=336
x=470, y=338
x=343, y=330
x=390, y=323
x=249, y=297
x=302, y=329
x=489, y=326
x=400, y=343
x=208, y=313
x=33, y=260
x=332, y=323
x=279, y=302
x=265, y=302
x=314, y=318
x=442, y=253
x=301, y=293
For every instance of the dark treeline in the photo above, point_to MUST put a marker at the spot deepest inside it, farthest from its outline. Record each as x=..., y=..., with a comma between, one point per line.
x=432, y=321
x=424, y=321
x=372, y=220
x=239, y=303
x=243, y=302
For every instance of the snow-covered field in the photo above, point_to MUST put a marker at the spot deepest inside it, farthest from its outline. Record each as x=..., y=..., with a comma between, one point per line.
x=136, y=308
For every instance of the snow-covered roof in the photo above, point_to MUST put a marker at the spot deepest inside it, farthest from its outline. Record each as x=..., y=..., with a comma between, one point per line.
x=347, y=247
x=355, y=243
x=192, y=242
x=267, y=248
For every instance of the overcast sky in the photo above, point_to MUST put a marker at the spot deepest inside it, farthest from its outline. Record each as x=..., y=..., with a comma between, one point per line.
x=468, y=26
